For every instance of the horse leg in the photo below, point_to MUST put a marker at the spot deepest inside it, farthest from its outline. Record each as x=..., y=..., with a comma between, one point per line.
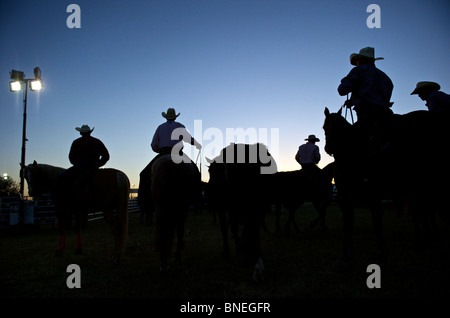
x=291, y=219
x=214, y=214
x=265, y=209
x=322, y=215
x=252, y=245
x=62, y=236
x=422, y=233
x=167, y=246
x=377, y=220
x=258, y=271
x=224, y=230
x=111, y=218
x=349, y=215
x=321, y=209
x=62, y=224
x=318, y=218
x=278, y=214
x=180, y=236
x=78, y=223
x=294, y=222
x=287, y=226
x=164, y=237
x=235, y=229
x=149, y=214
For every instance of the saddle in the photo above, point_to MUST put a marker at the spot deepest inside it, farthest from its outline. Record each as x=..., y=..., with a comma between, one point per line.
x=81, y=190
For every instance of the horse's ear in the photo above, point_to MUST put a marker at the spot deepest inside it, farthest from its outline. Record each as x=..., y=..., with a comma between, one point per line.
x=34, y=163
x=327, y=111
x=340, y=111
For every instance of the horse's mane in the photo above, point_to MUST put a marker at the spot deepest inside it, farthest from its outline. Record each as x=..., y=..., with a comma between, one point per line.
x=50, y=168
x=51, y=172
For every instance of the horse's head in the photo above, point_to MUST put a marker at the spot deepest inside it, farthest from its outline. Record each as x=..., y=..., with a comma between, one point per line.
x=216, y=171
x=248, y=157
x=41, y=178
x=336, y=129
x=32, y=175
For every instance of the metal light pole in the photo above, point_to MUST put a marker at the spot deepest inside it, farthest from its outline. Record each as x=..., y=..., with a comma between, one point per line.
x=16, y=86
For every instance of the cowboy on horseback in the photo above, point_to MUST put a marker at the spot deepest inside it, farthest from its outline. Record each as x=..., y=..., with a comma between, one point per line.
x=371, y=89
x=163, y=143
x=308, y=154
x=436, y=101
x=87, y=154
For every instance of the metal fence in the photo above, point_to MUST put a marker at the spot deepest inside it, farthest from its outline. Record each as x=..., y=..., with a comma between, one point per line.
x=42, y=210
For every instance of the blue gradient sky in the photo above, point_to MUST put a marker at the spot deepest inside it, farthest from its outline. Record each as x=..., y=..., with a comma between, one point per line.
x=264, y=64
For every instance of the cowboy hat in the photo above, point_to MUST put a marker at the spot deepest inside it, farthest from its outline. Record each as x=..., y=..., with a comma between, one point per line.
x=84, y=129
x=312, y=138
x=421, y=85
x=170, y=114
x=367, y=52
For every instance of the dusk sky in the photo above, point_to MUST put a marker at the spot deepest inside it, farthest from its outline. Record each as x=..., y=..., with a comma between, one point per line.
x=261, y=65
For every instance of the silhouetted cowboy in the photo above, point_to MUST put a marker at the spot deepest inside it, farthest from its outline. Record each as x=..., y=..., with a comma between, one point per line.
x=371, y=88
x=436, y=101
x=308, y=156
x=87, y=154
x=167, y=136
x=163, y=141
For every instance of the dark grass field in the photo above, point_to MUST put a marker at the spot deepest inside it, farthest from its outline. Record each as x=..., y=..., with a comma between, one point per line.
x=302, y=266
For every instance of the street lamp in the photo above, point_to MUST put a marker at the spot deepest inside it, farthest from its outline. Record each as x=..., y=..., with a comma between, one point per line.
x=18, y=83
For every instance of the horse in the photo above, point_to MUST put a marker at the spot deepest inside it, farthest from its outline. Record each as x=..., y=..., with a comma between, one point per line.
x=175, y=187
x=387, y=166
x=239, y=186
x=109, y=192
x=293, y=188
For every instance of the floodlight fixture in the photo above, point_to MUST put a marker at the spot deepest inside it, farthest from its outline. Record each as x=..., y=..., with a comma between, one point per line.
x=37, y=73
x=36, y=85
x=15, y=86
x=17, y=75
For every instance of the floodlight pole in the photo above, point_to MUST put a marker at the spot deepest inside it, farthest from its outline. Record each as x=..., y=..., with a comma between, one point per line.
x=18, y=76
x=24, y=140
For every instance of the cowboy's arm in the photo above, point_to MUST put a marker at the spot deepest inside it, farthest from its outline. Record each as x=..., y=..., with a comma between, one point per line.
x=73, y=154
x=104, y=155
x=195, y=143
x=297, y=156
x=187, y=137
x=317, y=154
x=350, y=82
x=155, y=142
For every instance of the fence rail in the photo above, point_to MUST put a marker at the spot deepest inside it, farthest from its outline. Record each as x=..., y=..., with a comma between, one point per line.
x=41, y=210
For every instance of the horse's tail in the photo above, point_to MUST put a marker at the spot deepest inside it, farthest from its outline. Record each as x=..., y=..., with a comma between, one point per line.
x=123, y=185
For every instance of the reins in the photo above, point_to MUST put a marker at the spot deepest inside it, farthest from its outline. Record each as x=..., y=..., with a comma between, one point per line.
x=196, y=161
x=351, y=111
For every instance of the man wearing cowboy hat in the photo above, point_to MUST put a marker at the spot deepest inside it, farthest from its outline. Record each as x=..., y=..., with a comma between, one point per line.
x=162, y=139
x=308, y=154
x=436, y=101
x=87, y=154
x=166, y=137
x=371, y=88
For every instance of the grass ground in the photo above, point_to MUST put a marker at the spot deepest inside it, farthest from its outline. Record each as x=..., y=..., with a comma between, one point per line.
x=301, y=266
